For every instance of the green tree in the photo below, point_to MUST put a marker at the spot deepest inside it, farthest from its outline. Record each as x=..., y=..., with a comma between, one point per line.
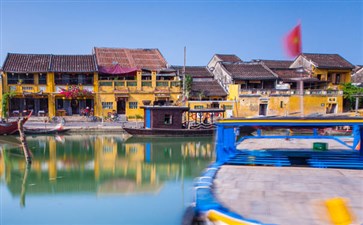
x=349, y=92
x=4, y=103
x=188, y=85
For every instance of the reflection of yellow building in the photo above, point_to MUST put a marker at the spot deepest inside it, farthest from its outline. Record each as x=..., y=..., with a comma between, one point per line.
x=107, y=165
x=2, y=163
x=105, y=155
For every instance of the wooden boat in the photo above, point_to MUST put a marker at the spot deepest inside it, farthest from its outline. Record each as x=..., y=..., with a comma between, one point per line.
x=288, y=153
x=168, y=121
x=54, y=130
x=169, y=132
x=7, y=128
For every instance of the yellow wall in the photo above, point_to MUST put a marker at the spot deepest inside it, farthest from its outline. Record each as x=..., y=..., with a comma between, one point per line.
x=1, y=90
x=288, y=106
x=344, y=78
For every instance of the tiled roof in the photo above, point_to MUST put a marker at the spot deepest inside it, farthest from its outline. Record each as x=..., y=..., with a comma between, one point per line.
x=208, y=88
x=22, y=63
x=357, y=76
x=130, y=58
x=73, y=63
x=249, y=71
x=195, y=71
x=328, y=61
x=291, y=74
x=356, y=68
x=229, y=58
x=277, y=64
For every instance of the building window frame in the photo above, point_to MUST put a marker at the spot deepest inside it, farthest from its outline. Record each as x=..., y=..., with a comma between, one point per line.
x=133, y=105
x=107, y=105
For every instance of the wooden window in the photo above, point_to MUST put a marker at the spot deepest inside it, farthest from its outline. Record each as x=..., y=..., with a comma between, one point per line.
x=107, y=105
x=133, y=105
x=168, y=119
x=42, y=78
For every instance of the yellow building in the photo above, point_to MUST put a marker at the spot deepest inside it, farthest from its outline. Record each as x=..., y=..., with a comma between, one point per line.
x=49, y=85
x=331, y=69
x=205, y=93
x=130, y=78
x=281, y=88
x=122, y=80
x=111, y=80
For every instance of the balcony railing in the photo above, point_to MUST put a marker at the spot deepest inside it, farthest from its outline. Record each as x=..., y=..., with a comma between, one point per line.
x=275, y=92
x=131, y=85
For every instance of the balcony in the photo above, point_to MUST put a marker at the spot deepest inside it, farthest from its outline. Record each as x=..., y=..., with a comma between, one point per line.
x=132, y=86
x=275, y=92
x=28, y=88
x=318, y=92
x=254, y=92
x=60, y=88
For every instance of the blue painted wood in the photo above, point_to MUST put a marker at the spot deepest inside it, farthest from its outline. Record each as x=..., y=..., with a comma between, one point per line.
x=148, y=153
x=147, y=118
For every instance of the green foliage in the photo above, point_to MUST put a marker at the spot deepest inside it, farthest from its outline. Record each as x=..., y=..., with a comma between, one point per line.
x=188, y=85
x=349, y=91
x=139, y=116
x=4, y=103
x=201, y=95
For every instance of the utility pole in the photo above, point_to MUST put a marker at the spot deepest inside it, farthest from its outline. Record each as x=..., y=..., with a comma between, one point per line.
x=185, y=61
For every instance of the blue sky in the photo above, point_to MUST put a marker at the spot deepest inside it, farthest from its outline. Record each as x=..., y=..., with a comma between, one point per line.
x=249, y=29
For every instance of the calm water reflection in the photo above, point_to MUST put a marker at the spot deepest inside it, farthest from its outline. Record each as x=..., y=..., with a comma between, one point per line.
x=100, y=179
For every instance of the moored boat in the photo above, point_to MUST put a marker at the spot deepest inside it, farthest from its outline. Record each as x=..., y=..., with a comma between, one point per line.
x=177, y=121
x=55, y=130
x=7, y=128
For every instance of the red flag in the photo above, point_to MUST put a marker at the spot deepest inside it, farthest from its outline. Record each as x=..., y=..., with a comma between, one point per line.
x=293, y=41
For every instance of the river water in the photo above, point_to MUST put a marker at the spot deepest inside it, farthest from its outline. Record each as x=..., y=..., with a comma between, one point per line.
x=100, y=179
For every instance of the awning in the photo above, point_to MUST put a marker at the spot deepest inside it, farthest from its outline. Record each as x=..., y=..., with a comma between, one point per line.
x=116, y=69
x=162, y=95
x=121, y=96
x=27, y=93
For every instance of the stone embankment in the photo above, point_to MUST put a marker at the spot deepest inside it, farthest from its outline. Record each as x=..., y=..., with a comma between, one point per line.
x=81, y=125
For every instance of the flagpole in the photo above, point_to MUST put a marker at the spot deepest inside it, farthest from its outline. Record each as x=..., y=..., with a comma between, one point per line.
x=185, y=61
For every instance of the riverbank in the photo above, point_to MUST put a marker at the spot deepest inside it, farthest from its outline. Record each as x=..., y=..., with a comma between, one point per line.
x=82, y=126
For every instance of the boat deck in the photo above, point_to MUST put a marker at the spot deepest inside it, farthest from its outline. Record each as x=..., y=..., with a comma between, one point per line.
x=288, y=195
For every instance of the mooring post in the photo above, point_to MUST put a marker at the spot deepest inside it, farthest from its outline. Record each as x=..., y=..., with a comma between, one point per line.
x=24, y=184
x=23, y=141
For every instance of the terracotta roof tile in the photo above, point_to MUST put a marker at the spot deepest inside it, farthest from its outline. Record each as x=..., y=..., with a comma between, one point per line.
x=276, y=64
x=249, y=71
x=328, y=61
x=32, y=63
x=141, y=58
x=209, y=89
x=73, y=63
x=195, y=71
x=290, y=74
x=229, y=58
x=357, y=76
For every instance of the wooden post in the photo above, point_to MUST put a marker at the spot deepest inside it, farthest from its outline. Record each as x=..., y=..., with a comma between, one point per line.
x=24, y=144
x=24, y=184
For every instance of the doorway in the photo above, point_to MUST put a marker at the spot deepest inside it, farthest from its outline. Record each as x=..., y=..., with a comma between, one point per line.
x=331, y=108
x=121, y=105
x=75, y=106
x=263, y=110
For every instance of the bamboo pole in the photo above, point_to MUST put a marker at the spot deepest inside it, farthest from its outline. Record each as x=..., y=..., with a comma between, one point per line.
x=23, y=141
